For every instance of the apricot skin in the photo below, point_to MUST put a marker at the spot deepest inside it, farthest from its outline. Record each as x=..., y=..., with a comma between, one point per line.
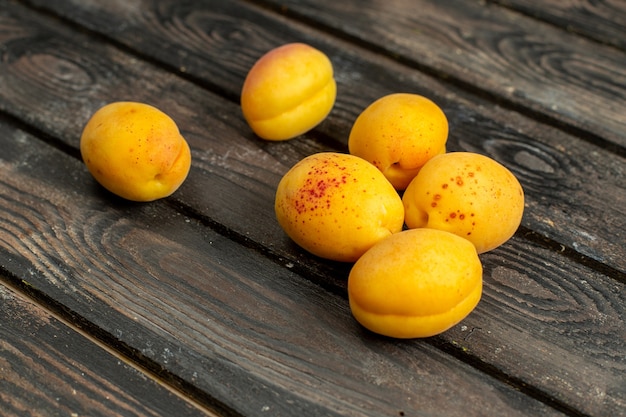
x=288, y=91
x=135, y=151
x=468, y=194
x=416, y=283
x=337, y=206
x=399, y=133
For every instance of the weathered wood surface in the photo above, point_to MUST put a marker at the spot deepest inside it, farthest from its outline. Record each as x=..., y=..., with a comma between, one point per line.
x=561, y=77
x=558, y=171
x=603, y=21
x=205, y=289
x=48, y=369
x=218, y=316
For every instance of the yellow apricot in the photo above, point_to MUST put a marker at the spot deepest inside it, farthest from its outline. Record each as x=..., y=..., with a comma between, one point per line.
x=416, y=283
x=399, y=133
x=135, y=151
x=337, y=206
x=468, y=194
x=288, y=91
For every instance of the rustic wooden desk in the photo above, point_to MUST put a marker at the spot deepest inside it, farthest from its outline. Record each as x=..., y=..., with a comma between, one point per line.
x=200, y=305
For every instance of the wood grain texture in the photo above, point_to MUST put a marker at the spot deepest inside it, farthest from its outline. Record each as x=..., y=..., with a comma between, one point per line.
x=558, y=171
x=48, y=369
x=215, y=314
x=489, y=48
x=189, y=299
x=604, y=21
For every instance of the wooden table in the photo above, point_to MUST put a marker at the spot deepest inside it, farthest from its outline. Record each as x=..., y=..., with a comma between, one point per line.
x=199, y=304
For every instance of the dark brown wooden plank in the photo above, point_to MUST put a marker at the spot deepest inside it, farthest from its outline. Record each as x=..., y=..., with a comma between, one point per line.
x=233, y=168
x=49, y=369
x=217, y=315
x=567, y=180
x=562, y=313
x=604, y=21
x=521, y=60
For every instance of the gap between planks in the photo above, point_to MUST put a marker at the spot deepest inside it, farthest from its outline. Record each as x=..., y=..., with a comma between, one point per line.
x=7, y=282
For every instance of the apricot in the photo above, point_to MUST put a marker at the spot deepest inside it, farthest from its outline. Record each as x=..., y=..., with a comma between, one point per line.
x=399, y=133
x=416, y=283
x=337, y=206
x=468, y=194
x=288, y=91
x=135, y=151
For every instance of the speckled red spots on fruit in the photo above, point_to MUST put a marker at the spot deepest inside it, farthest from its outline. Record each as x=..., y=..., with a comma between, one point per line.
x=436, y=198
x=315, y=192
